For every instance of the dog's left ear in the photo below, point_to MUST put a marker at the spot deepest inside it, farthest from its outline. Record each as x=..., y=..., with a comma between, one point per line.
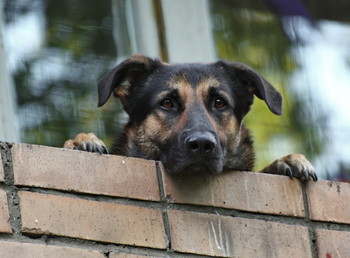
x=121, y=79
x=255, y=84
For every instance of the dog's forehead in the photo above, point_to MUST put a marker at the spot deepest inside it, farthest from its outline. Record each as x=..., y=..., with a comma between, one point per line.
x=190, y=78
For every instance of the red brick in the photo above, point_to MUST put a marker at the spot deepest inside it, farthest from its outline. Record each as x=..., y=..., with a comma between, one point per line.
x=332, y=244
x=4, y=213
x=92, y=220
x=248, y=191
x=25, y=250
x=85, y=172
x=1, y=170
x=215, y=235
x=329, y=201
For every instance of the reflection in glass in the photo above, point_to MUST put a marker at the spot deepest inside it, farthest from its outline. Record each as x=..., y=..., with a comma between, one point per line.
x=58, y=50
x=309, y=63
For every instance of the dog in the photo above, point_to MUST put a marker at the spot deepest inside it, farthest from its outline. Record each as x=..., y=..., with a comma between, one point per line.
x=190, y=116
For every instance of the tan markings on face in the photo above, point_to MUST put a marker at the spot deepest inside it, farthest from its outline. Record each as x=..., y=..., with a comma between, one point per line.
x=186, y=96
x=231, y=128
x=228, y=127
x=184, y=88
x=180, y=123
x=205, y=85
x=154, y=130
x=202, y=93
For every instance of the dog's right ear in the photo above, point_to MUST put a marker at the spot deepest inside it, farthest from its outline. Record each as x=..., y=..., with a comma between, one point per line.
x=121, y=78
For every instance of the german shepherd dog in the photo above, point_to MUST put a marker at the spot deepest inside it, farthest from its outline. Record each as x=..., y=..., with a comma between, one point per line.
x=189, y=116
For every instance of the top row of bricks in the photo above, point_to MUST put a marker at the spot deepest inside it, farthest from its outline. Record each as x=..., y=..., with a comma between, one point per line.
x=118, y=176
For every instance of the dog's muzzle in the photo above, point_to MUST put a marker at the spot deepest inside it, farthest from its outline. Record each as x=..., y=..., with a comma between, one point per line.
x=194, y=151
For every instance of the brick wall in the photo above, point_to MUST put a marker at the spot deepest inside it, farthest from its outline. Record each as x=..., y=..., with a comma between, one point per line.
x=63, y=203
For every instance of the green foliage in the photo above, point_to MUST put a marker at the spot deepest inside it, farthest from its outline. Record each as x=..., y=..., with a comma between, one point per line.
x=254, y=36
x=56, y=88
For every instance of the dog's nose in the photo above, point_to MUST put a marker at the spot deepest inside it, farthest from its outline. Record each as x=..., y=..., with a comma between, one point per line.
x=201, y=143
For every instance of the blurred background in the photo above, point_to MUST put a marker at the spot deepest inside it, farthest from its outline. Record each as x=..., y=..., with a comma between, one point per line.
x=52, y=54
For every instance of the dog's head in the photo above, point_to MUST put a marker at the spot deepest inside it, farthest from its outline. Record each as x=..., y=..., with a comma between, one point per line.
x=186, y=115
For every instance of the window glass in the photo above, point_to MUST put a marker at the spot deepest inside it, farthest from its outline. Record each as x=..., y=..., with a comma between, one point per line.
x=57, y=51
x=304, y=51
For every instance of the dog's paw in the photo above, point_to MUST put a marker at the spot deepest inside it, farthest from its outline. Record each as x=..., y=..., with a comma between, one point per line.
x=293, y=165
x=87, y=142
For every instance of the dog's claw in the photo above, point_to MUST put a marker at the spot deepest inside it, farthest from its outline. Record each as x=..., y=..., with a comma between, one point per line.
x=288, y=172
x=293, y=165
x=99, y=149
x=87, y=142
x=102, y=149
x=89, y=147
x=105, y=150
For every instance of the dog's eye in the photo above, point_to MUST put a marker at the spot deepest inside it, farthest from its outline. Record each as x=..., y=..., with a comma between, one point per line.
x=219, y=103
x=167, y=103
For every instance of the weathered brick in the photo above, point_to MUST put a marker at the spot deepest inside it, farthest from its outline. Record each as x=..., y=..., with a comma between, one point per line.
x=1, y=169
x=332, y=244
x=25, y=250
x=78, y=171
x=329, y=201
x=92, y=220
x=216, y=235
x=248, y=191
x=4, y=213
x=125, y=255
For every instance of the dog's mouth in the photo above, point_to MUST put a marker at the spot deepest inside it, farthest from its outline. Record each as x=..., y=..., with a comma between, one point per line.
x=199, y=167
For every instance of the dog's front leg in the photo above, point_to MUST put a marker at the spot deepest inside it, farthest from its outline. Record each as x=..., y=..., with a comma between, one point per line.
x=292, y=165
x=86, y=142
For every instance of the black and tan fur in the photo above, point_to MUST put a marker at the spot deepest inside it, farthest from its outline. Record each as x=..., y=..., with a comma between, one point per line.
x=190, y=116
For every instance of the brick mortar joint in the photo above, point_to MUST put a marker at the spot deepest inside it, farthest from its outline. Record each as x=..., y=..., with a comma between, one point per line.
x=165, y=206
x=160, y=182
x=7, y=162
x=165, y=211
x=311, y=227
x=11, y=189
